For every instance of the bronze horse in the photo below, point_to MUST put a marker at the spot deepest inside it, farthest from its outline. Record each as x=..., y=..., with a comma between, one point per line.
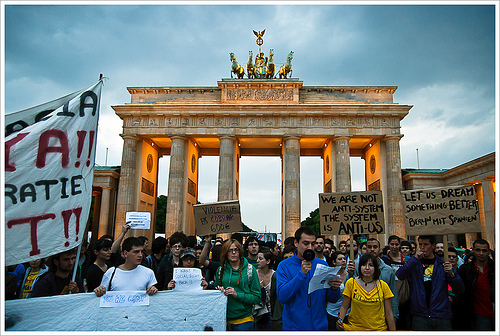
x=236, y=68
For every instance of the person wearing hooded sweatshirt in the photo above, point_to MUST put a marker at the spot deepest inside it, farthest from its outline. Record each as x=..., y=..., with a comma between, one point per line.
x=239, y=281
x=303, y=310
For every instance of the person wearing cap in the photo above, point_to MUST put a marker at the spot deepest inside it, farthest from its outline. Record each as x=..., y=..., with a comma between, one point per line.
x=187, y=259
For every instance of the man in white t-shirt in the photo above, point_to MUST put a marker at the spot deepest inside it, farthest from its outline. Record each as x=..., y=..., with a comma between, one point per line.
x=130, y=276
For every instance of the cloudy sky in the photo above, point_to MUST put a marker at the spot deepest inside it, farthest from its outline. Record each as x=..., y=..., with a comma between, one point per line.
x=442, y=58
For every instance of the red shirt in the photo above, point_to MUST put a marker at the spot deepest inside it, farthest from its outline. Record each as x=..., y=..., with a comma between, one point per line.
x=482, y=304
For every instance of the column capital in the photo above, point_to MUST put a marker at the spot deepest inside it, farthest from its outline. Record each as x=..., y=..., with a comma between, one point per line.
x=291, y=137
x=393, y=137
x=230, y=137
x=183, y=137
x=489, y=179
x=342, y=137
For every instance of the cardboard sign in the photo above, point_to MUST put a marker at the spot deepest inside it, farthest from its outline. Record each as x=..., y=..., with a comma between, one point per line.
x=440, y=211
x=114, y=299
x=219, y=217
x=49, y=170
x=187, y=279
x=138, y=220
x=351, y=213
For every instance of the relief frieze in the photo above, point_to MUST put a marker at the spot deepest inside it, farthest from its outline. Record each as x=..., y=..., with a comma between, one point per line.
x=260, y=94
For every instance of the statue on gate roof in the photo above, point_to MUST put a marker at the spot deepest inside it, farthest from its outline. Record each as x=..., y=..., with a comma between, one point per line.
x=263, y=67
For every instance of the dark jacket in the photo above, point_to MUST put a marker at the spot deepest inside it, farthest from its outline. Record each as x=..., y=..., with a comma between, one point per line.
x=165, y=271
x=439, y=302
x=50, y=285
x=469, y=275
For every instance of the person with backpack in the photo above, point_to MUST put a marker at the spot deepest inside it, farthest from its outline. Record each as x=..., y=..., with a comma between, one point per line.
x=238, y=280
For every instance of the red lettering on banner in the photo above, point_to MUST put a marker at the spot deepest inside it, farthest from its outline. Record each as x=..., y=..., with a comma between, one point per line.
x=33, y=221
x=44, y=148
x=8, y=144
x=66, y=214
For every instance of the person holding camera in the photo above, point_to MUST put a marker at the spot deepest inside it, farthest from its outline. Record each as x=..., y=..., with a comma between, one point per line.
x=303, y=311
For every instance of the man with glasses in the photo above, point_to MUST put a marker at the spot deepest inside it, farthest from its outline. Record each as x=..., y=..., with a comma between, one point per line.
x=165, y=270
x=476, y=304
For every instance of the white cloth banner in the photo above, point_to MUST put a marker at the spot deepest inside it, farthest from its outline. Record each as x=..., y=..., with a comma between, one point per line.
x=167, y=311
x=48, y=175
x=114, y=299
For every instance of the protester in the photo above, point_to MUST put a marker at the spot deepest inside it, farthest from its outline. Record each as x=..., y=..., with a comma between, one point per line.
x=131, y=275
x=34, y=272
x=343, y=246
x=369, y=299
x=476, y=303
x=252, y=249
x=429, y=278
x=210, y=265
x=165, y=271
x=239, y=281
x=263, y=310
x=405, y=248
x=319, y=247
x=58, y=280
x=439, y=251
x=116, y=258
x=102, y=253
x=288, y=251
x=157, y=253
x=328, y=250
x=303, y=311
x=454, y=305
x=145, y=242
x=413, y=248
x=362, y=248
x=276, y=305
x=276, y=250
x=10, y=283
x=188, y=260
x=332, y=308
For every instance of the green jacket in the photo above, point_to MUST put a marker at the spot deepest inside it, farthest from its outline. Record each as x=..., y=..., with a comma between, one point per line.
x=247, y=294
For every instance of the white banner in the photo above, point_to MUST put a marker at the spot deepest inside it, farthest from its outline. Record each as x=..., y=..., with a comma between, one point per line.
x=167, y=311
x=114, y=299
x=48, y=175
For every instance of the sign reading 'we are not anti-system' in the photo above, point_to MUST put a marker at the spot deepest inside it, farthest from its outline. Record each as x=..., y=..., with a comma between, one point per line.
x=351, y=213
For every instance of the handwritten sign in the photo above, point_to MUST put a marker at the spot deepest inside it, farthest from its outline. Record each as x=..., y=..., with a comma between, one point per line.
x=187, y=279
x=440, y=211
x=351, y=213
x=123, y=299
x=138, y=220
x=220, y=217
x=49, y=162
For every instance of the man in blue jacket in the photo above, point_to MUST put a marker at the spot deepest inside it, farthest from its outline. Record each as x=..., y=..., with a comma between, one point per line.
x=303, y=311
x=429, y=278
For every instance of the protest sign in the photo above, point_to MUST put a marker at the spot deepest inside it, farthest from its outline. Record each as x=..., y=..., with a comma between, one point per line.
x=187, y=311
x=351, y=213
x=114, y=299
x=441, y=211
x=138, y=220
x=219, y=217
x=49, y=162
x=187, y=279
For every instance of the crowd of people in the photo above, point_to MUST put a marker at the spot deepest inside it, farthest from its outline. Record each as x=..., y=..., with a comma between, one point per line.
x=404, y=285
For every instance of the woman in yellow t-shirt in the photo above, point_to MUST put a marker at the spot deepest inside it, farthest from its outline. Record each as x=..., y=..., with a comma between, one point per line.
x=369, y=299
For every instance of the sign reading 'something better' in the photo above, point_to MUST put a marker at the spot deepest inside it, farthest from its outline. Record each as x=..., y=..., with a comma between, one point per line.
x=439, y=211
x=219, y=217
x=351, y=213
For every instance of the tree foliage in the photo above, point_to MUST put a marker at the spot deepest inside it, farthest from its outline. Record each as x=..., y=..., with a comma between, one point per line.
x=161, y=213
x=312, y=221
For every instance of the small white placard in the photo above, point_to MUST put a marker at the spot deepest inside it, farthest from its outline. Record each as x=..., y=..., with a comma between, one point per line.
x=124, y=299
x=321, y=276
x=187, y=279
x=138, y=220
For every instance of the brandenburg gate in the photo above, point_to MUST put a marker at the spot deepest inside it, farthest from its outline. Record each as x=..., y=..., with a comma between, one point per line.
x=259, y=117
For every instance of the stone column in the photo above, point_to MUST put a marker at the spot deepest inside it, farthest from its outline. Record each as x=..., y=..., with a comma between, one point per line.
x=176, y=198
x=342, y=169
x=291, y=186
x=395, y=221
x=488, y=231
x=342, y=164
x=128, y=180
x=104, y=211
x=226, y=191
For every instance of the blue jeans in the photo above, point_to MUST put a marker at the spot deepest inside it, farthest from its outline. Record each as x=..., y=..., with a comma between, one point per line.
x=430, y=323
x=484, y=323
x=247, y=326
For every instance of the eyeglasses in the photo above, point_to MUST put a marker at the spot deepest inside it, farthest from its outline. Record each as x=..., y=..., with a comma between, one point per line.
x=452, y=256
x=177, y=246
x=234, y=251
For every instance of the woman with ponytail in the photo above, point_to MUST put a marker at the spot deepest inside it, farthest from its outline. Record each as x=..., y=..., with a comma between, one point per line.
x=239, y=281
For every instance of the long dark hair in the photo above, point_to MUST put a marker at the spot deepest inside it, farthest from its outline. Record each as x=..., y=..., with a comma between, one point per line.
x=223, y=257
